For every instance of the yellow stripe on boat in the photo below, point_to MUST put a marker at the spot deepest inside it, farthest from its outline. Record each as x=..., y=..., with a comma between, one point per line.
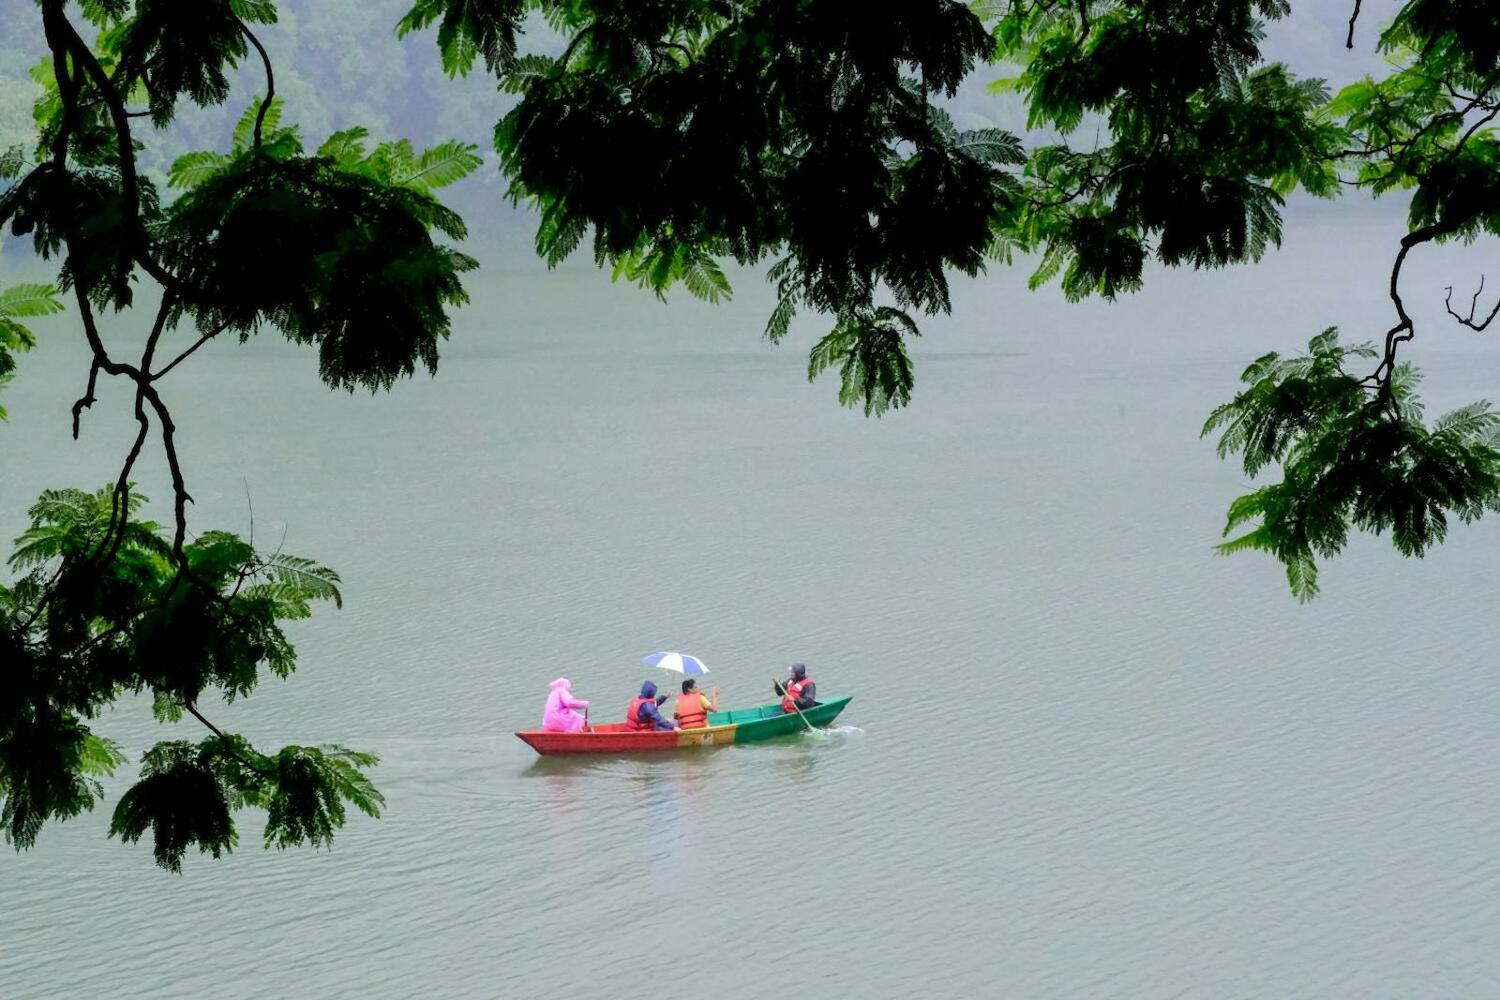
x=712, y=736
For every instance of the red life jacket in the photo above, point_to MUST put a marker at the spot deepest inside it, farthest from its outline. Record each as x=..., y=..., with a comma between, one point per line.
x=690, y=713
x=793, y=692
x=633, y=714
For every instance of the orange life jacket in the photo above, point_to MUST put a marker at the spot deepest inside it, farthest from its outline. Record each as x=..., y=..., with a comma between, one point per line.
x=690, y=711
x=793, y=692
x=633, y=714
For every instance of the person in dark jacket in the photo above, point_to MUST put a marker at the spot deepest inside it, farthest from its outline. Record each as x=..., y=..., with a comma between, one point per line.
x=642, y=713
x=798, y=690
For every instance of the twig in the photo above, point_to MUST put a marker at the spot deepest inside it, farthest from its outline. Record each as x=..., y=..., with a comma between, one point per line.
x=210, y=335
x=225, y=740
x=1468, y=321
x=88, y=398
x=1484, y=120
x=1349, y=42
x=250, y=506
x=119, y=500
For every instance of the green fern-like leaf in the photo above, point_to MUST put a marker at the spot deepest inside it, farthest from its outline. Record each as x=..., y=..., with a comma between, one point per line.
x=780, y=322
x=706, y=281
x=308, y=790
x=98, y=756
x=244, y=129
x=346, y=148
x=1473, y=422
x=316, y=582
x=29, y=300
x=526, y=71
x=255, y=11
x=991, y=145
x=191, y=169
x=870, y=351
x=1302, y=577
x=440, y=166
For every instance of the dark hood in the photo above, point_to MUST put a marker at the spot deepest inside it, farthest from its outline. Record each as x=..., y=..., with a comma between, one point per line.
x=648, y=689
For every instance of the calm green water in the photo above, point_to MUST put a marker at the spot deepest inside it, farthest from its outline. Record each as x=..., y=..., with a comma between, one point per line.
x=1085, y=758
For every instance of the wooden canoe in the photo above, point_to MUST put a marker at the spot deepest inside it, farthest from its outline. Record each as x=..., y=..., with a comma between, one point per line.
x=740, y=725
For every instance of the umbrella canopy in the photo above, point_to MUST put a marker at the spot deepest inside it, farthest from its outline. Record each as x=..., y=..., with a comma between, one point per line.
x=680, y=662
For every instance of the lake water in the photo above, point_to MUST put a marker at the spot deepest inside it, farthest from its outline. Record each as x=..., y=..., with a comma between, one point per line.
x=1085, y=757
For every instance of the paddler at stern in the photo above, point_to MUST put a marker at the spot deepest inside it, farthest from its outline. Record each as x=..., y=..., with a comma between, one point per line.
x=798, y=691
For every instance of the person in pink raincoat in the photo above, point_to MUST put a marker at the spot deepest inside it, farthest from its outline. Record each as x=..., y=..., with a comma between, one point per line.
x=560, y=715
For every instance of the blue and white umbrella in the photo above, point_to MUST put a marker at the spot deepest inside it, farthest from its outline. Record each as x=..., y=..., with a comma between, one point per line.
x=680, y=662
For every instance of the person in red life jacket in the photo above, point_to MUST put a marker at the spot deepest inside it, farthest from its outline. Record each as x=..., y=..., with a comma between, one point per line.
x=693, y=705
x=798, y=692
x=642, y=714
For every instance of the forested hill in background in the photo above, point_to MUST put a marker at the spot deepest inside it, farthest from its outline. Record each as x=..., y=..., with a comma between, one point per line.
x=339, y=62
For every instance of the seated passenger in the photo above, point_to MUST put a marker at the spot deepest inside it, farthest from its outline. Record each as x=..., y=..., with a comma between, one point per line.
x=642, y=714
x=560, y=716
x=799, y=692
x=693, y=705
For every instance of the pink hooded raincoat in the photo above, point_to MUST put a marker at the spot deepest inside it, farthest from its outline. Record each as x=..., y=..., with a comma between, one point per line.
x=559, y=716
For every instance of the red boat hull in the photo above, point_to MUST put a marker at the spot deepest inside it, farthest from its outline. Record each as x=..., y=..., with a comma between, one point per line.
x=612, y=738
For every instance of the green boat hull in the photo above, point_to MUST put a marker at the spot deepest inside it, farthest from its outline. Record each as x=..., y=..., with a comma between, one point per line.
x=767, y=722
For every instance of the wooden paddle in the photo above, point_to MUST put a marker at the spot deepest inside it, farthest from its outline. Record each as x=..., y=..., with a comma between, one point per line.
x=817, y=734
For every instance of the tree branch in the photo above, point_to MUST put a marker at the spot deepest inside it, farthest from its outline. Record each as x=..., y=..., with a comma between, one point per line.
x=181, y=497
x=265, y=59
x=228, y=743
x=1468, y=321
x=88, y=398
x=124, y=143
x=210, y=335
x=1349, y=42
x=1405, y=329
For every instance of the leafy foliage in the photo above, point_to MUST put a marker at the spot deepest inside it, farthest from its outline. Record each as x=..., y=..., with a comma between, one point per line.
x=469, y=30
x=1203, y=143
x=78, y=633
x=341, y=245
x=339, y=248
x=685, y=133
x=674, y=136
x=1349, y=457
x=21, y=302
x=184, y=47
x=870, y=352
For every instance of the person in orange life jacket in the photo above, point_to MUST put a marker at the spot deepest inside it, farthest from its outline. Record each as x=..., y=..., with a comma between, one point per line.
x=642, y=713
x=798, y=691
x=693, y=705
